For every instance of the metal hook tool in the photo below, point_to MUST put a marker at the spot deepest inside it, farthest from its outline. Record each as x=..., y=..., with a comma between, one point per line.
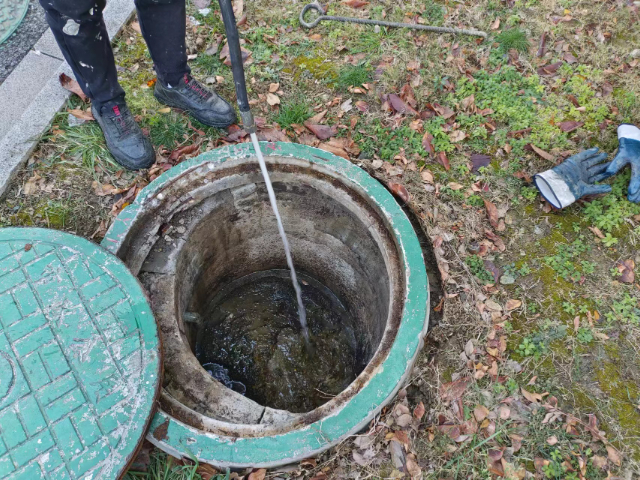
x=318, y=8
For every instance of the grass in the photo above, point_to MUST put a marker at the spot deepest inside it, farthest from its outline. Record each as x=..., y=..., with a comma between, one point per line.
x=163, y=467
x=293, y=113
x=513, y=38
x=353, y=76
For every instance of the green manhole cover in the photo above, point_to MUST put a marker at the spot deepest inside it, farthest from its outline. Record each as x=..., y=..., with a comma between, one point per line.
x=11, y=14
x=79, y=358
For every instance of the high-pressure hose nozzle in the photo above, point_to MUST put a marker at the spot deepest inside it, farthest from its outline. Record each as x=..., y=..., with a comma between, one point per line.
x=235, y=55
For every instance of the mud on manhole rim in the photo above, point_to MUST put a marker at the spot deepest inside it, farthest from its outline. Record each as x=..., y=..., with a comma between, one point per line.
x=312, y=435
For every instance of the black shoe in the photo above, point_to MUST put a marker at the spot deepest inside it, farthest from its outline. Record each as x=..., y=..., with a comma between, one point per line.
x=191, y=96
x=125, y=140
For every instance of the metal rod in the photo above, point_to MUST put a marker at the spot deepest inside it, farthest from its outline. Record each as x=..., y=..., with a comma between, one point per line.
x=382, y=23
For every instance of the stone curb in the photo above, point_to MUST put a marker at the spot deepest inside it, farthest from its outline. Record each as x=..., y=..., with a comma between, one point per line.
x=33, y=95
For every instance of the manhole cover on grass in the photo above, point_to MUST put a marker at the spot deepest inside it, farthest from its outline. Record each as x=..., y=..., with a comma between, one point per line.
x=11, y=14
x=79, y=358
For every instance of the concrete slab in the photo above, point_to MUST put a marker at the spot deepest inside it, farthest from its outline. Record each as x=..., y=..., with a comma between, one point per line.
x=33, y=94
x=20, y=88
x=20, y=141
x=48, y=45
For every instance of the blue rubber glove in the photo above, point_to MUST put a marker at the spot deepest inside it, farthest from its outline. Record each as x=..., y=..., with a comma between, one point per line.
x=628, y=154
x=574, y=178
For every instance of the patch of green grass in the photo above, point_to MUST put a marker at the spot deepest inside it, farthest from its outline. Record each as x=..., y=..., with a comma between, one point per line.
x=168, y=129
x=433, y=12
x=513, y=38
x=208, y=64
x=86, y=143
x=353, y=76
x=293, y=113
x=164, y=467
x=386, y=142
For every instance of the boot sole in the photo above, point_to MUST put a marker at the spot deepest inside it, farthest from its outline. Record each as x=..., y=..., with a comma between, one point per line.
x=193, y=114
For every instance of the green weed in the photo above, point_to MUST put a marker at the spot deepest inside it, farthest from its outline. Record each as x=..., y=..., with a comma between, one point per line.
x=353, y=76
x=476, y=265
x=513, y=38
x=293, y=113
x=624, y=309
x=565, y=263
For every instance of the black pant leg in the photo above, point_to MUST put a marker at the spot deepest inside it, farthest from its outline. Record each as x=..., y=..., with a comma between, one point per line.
x=79, y=29
x=163, y=24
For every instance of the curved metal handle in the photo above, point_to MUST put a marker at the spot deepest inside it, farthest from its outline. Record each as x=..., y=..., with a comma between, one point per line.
x=312, y=6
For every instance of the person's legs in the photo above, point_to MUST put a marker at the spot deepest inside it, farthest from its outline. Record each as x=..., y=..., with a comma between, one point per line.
x=163, y=25
x=79, y=29
x=82, y=36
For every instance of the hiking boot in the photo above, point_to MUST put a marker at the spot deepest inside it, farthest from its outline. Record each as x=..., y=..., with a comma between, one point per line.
x=191, y=96
x=125, y=140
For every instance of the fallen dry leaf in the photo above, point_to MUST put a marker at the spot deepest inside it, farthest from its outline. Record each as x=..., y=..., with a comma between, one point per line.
x=136, y=26
x=238, y=8
x=399, y=191
x=626, y=269
x=81, y=114
x=399, y=105
x=512, y=304
x=206, y=471
x=355, y=3
x=504, y=412
x=457, y=136
x=323, y=132
x=532, y=397
x=274, y=87
x=452, y=390
x=404, y=420
x=552, y=440
x=442, y=159
x=480, y=412
x=478, y=161
x=427, y=143
x=542, y=153
x=492, y=213
x=569, y=126
x=613, y=455
x=418, y=412
x=273, y=99
x=184, y=150
x=257, y=474
x=70, y=84
x=31, y=186
x=426, y=176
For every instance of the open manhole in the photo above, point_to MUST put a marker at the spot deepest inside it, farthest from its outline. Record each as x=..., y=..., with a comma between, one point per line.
x=239, y=387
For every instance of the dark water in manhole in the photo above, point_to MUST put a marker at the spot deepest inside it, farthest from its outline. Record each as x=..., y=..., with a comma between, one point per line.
x=250, y=337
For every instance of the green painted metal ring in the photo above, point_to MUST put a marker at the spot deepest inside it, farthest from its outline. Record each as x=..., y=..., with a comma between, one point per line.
x=180, y=439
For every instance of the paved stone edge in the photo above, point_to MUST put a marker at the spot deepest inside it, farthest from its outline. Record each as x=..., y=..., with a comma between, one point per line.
x=181, y=440
x=20, y=141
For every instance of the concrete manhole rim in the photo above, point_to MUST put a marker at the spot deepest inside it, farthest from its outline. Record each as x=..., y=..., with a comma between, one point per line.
x=180, y=439
x=139, y=310
x=23, y=7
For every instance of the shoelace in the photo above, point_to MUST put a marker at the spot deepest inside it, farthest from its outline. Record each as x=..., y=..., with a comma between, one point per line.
x=123, y=120
x=195, y=89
